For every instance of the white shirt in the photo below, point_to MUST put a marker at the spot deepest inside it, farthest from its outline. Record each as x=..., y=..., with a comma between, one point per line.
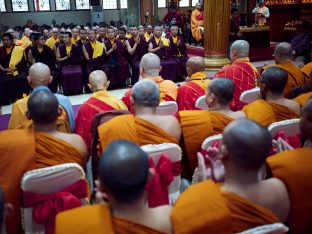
x=266, y=12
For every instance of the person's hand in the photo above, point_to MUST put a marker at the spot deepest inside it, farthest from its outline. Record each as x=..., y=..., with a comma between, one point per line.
x=100, y=197
x=11, y=69
x=137, y=40
x=69, y=55
x=114, y=46
x=161, y=44
x=300, y=65
x=178, y=42
x=281, y=145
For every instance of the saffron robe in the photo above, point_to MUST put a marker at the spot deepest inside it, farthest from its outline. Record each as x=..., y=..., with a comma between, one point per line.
x=51, y=151
x=293, y=167
x=17, y=148
x=197, y=21
x=196, y=127
x=303, y=98
x=97, y=219
x=244, y=76
x=307, y=69
x=168, y=91
x=191, y=91
x=132, y=128
x=99, y=102
x=282, y=112
x=169, y=66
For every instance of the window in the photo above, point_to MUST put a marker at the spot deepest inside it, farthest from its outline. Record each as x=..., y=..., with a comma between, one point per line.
x=184, y=3
x=109, y=4
x=161, y=3
x=82, y=5
x=194, y=2
x=62, y=5
x=19, y=5
x=42, y=5
x=123, y=4
x=2, y=6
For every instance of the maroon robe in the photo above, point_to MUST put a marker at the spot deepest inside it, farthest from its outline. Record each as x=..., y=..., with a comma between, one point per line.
x=134, y=61
x=169, y=66
x=118, y=63
x=71, y=72
x=12, y=87
x=79, y=43
x=143, y=47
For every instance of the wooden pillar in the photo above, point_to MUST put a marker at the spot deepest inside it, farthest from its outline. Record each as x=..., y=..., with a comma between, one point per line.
x=147, y=9
x=216, y=38
x=133, y=12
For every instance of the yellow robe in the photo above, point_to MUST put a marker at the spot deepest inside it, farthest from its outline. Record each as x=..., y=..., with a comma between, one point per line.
x=293, y=167
x=196, y=24
x=282, y=112
x=51, y=42
x=307, y=69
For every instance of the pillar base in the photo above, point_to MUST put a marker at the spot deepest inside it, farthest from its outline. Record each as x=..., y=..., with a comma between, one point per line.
x=216, y=62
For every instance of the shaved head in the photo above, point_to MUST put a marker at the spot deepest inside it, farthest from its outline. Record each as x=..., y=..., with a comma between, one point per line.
x=98, y=79
x=150, y=63
x=43, y=107
x=222, y=89
x=241, y=48
x=248, y=144
x=195, y=64
x=275, y=79
x=283, y=50
x=146, y=93
x=123, y=170
x=39, y=74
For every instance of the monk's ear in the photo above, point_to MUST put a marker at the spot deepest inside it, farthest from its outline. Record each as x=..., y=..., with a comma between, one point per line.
x=223, y=152
x=51, y=78
x=60, y=111
x=160, y=68
x=90, y=87
x=107, y=84
x=131, y=100
x=29, y=80
x=141, y=70
x=150, y=174
x=27, y=114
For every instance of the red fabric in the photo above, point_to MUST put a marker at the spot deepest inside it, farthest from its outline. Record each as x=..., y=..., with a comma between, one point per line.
x=209, y=157
x=47, y=206
x=188, y=95
x=200, y=17
x=157, y=187
x=293, y=141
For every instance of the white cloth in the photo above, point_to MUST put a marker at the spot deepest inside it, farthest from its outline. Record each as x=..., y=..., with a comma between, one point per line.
x=266, y=12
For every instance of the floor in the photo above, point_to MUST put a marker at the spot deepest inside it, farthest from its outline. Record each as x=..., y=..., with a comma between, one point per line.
x=79, y=99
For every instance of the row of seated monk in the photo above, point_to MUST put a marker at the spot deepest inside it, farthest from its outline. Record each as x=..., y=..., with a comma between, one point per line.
x=46, y=146
x=71, y=60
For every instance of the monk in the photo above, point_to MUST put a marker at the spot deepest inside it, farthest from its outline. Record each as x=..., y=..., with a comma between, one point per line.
x=13, y=68
x=197, y=22
x=100, y=101
x=81, y=41
x=149, y=32
x=39, y=78
x=241, y=72
x=53, y=39
x=17, y=149
x=145, y=127
x=283, y=59
x=117, y=58
x=102, y=35
x=75, y=33
x=195, y=86
x=82, y=38
x=51, y=146
x=143, y=45
x=69, y=56
x=273, y=106
x=160, y=46
x=293, y=167
x=26, y=38
x=177, y=49
x=173, y=17
x=123, y=174
x=149, y=69
x=244, y=197
x=218, y=97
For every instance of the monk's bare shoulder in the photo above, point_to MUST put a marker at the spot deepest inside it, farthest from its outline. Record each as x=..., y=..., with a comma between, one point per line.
x=75, y=140
x=162, y=215
x=238, y=115
x=172, y=125
x=294, y=106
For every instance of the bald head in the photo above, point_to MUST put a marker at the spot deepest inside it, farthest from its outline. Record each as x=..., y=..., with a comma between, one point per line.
x=283, y=52
x=98, y=80
x=39, y=74
x=248, y=144
x=123, y=169
x=145, y=93
x=275, y=80
x=43, y=107
x=150, y=63
x=222, y=89
x=195, y=64
x=239, y=49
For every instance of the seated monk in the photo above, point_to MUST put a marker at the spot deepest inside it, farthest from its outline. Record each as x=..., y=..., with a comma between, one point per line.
x=17, y=149
x=39, y=78
x=283, y=59
x=274, y=107
x=243, y=201
x=197, y=22
x=195, y=86
x=123, y=174
x=293, y=167
x=198, y=125
x=241, y=72
x=51, y=146
x=145, y=127
x=149, y=69
x=100, y=101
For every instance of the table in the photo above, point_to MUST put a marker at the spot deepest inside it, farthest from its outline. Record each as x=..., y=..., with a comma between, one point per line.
x=256, y=36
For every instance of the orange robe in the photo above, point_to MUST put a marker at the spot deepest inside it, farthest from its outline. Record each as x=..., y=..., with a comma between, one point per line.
x=97, y=219
x=19, y=120
x=295, y=76
x=294, y=169
x=197, y=21
x=282, y=112
x=51, y=151
x=168, y=91
x=196, y=127
x=132, y=128
x=244, y=76
x=201, y=209
x=17, y=148
x=303, y=98
x=99, y=102
x=307, y=69
x=191, y=91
